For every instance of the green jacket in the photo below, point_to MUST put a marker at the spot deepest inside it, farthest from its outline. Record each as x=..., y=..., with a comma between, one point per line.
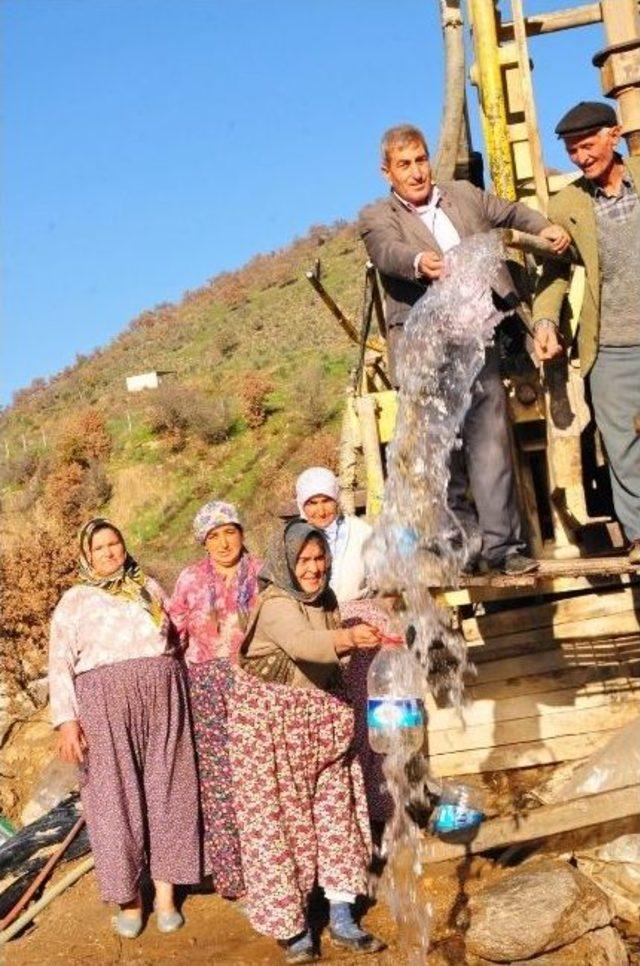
x=573, y=209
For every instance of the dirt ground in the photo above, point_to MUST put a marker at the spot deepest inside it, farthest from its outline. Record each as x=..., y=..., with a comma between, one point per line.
x=76, y=930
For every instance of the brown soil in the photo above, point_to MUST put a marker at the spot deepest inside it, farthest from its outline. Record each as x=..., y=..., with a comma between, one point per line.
x=76, y=929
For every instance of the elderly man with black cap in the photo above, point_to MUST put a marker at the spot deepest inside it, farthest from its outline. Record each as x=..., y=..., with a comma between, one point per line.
x=601, y=211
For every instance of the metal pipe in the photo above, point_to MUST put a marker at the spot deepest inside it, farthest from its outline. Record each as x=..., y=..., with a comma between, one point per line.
x=620, y=70
x=524, y=242
x=44, y=873
x=48, y=897
x=554, y=20
x=492, y=101
x=454, y=90
x=345, y=323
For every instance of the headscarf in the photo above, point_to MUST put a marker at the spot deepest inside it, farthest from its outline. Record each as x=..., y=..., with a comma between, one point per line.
x=282, y=555
x=316, y=481
x=214, y=514
x=128, y=581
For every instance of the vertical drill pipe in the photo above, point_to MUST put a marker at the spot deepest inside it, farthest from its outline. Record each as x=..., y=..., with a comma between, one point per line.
x=622, y=23
x=454, y=90
x=492, y=101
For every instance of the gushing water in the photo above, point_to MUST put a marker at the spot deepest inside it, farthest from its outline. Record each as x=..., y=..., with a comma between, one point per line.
x=418, y=542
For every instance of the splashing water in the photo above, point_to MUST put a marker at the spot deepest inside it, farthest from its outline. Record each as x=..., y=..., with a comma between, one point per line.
x=418, y=542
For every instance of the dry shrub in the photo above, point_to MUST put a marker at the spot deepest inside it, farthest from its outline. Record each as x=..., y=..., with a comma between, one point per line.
x=83, y=438
x=34, y=574
x=63, y=496
x=321, y=449
x=20, y=469
x=314, y=400
x=179, y=412
x=253, y=394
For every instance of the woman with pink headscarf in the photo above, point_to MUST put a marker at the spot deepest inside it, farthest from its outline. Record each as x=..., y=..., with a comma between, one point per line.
x=210, y=607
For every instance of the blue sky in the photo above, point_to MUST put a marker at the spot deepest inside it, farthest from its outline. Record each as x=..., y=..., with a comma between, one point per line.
x=149, y=144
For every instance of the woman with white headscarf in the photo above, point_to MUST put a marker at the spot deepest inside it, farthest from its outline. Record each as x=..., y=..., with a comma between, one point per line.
x=317, y=493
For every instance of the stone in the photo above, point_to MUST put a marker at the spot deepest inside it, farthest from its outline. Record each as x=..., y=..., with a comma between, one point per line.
x=603, y=947
x=540, y=907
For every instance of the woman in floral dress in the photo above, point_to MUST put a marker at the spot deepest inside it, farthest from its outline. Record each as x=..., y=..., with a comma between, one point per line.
x=210, y=607
x=318, y=499
x=119, y=702
x=298, y=790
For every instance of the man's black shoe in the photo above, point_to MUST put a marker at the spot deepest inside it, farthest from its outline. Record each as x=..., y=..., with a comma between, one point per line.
x=517, y=564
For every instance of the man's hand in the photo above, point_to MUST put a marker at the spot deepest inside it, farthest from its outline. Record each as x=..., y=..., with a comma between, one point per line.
x=431, y=265
x=559, y=238
x=546, y=342
x=71, y=743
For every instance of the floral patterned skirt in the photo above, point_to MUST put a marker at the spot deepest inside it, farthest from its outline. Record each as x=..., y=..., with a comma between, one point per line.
x=355, y=682
x=299, y=799
x=209, y=685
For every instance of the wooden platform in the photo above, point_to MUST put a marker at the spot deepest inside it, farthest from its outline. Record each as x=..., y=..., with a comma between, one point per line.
x=556, y=676
x=553, y=577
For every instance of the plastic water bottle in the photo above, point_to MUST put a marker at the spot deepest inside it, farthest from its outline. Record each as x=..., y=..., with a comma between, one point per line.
x=461, y=808
x=395, y=709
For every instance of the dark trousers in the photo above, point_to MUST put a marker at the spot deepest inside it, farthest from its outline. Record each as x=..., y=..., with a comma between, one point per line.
x=484, y=466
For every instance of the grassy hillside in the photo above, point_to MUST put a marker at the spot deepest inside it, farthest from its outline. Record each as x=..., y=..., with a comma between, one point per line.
x=258, y=372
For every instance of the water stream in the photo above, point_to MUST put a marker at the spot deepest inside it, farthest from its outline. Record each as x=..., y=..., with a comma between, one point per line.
x=418, y=542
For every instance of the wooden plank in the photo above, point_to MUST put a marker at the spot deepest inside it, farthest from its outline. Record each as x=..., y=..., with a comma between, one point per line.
x=583, y=679
x=540, y=823
x=536, y=705
x=576, y=649
x=538, y=728
x=588, y=635
x=547, y=585
x=608, y=653
x=529, y=105
x=551, y=614
x=522, y=755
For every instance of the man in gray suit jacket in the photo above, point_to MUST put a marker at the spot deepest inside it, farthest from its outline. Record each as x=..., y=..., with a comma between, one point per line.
x=406, y=236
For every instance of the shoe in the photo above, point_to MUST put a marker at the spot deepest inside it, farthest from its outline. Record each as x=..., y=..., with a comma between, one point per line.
x=299, y=949
x=517, y=564
x=169, y=921
x=634, y=553
x=129, y=927
x=347, y=934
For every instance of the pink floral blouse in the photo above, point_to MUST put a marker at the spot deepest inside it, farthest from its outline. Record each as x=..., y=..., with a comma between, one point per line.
x=210, y=612
x=91, y=628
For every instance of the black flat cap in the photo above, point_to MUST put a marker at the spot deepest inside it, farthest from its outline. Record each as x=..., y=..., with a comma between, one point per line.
x=586, y=116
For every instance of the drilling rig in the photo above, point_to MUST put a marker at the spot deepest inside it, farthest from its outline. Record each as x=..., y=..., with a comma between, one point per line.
x=557, y=651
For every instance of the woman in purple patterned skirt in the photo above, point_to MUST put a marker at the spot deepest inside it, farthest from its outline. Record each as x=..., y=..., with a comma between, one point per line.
x=119, y=701
x=210, y=607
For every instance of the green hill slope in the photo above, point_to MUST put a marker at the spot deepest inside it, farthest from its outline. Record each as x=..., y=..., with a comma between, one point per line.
x=258, y=369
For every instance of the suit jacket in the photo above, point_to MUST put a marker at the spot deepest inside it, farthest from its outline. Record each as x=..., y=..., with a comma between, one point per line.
x=573, y=208
x=394, y=235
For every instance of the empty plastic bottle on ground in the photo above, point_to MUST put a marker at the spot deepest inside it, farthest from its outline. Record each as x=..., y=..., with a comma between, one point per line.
x=395, y=708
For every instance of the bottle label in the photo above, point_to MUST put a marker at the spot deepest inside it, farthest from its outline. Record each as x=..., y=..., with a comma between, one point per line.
x=455, y=818
x=394, y=713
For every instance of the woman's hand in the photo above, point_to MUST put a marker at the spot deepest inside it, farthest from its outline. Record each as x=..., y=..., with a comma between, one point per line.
x=358, y=637
x=71, y=743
